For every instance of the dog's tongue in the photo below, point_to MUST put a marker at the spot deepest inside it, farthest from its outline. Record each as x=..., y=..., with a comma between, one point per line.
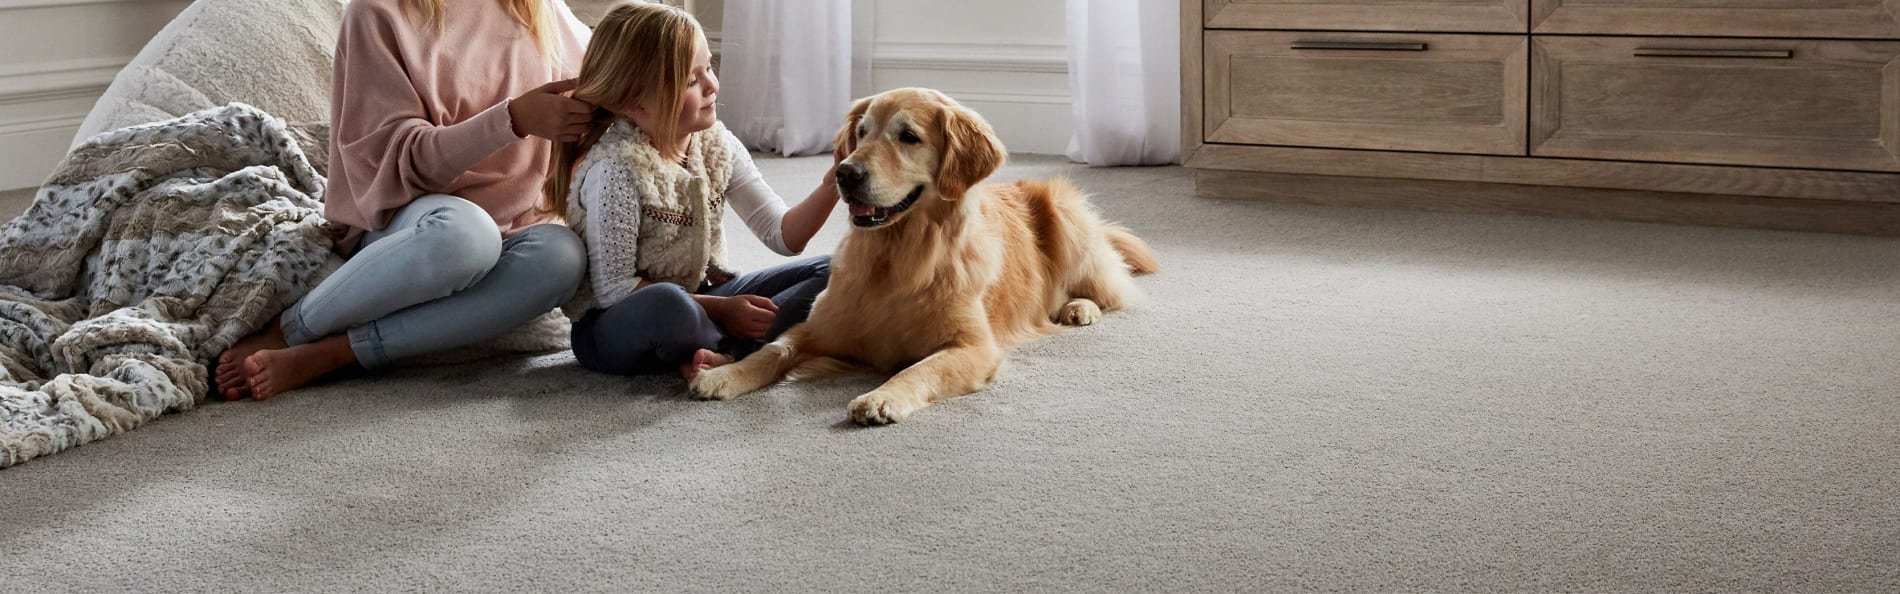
x=863, y=210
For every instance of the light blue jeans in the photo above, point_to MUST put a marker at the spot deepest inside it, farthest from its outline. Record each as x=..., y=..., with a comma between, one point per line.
x=437, y=277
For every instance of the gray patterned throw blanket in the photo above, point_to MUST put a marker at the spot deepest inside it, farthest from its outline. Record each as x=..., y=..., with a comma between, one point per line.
x=149, y=251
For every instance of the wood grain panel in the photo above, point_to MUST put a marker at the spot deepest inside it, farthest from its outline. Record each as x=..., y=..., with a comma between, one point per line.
x=1864, y=19
x=1652, y=207
x=1826, y=105
x=1457, y=93
x=1666, y=177
x=1456, y=16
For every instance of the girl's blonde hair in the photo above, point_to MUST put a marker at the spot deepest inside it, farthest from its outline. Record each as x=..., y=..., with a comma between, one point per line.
x=639, y=50
x=532, y=14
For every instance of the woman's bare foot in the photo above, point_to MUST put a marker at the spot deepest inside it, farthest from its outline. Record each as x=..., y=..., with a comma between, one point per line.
x=273, y=372
x=231, y=382
x=703, y=360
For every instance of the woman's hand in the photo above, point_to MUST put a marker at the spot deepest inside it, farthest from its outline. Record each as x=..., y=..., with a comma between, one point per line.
x=744, y=316
x=547, y=113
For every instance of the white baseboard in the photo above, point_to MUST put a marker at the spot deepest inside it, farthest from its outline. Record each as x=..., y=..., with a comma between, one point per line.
x=56, y=58
x=29, y=152
x=976, y=57
x=22, y=83
x=41, y=106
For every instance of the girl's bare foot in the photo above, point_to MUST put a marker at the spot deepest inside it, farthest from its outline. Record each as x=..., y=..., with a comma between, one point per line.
x=703, y=360
x=273, y=372
x=231, y=382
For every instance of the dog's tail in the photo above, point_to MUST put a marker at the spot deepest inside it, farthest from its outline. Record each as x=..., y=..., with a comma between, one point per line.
x=1134, y=251
x=1066, y=196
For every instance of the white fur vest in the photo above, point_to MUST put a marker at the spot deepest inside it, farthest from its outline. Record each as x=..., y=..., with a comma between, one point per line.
x=681, y=213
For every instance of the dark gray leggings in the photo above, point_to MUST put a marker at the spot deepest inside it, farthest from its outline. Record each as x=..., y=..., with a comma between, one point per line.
x=658, y=328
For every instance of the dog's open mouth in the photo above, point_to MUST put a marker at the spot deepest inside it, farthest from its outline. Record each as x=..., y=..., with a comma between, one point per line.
x=867, y=215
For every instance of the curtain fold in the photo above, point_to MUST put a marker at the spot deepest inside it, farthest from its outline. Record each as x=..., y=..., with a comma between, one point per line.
x=1125, y=81
x=789, y=69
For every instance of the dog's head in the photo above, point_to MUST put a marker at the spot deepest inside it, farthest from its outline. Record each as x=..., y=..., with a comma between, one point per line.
x=909, y=146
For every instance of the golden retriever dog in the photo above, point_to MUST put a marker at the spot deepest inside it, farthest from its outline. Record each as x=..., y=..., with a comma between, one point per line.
x=937, y=277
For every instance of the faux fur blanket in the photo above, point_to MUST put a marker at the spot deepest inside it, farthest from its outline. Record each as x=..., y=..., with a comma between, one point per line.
x=150, y=250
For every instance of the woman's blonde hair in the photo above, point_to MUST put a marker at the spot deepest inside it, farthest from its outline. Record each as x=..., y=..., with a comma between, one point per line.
x=639, y=50
x=532, y=14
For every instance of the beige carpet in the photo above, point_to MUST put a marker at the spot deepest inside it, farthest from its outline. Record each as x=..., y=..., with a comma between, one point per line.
x=1314, y=399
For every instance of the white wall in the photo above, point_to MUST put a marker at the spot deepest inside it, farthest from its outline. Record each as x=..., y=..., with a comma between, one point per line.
x=56, y=58
x=1004, y=58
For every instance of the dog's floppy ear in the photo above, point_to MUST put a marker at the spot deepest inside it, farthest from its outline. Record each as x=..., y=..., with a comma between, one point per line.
x=971, y=151
x=847, y=140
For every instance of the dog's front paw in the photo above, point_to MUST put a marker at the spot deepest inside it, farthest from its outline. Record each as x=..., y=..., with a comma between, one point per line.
x=718, y=383
x=1080, y=312
x=881, y=408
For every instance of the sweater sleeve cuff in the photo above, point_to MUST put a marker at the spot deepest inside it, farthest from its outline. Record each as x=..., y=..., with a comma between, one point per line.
x=487, y=132
x=500, y=123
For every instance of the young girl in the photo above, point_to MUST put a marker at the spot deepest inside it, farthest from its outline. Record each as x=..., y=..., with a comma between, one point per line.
x=435, y=177
x=656, y=171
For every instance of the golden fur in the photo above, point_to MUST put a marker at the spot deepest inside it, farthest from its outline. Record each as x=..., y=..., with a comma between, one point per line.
x=937, y=292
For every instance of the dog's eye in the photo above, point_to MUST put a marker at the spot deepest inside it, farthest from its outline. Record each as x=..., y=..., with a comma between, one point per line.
x=908, y=137
x=862, y=132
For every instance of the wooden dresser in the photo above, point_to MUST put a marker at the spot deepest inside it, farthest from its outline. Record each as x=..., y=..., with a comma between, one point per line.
x=1761, y=113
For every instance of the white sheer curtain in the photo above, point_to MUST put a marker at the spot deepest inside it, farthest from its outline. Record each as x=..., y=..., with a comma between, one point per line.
x=789, y=69
x=1125, y=81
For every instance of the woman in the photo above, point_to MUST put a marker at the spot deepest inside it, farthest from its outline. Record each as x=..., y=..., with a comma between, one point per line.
x=441, y=122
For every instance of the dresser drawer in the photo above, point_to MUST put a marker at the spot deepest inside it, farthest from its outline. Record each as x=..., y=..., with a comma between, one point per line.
x=1781, y=103
x=1445, y=93
x=1460, y=16
x=1864, y=19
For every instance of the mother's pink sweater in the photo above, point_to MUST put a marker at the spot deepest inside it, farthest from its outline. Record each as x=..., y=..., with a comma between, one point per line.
x=415, y=110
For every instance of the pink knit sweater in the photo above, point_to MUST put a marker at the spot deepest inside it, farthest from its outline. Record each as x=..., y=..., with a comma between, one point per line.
x=417, y=111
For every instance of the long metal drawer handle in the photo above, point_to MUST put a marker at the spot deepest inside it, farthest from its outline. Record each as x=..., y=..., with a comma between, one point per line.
x=1390, y=46
x=1671, y=52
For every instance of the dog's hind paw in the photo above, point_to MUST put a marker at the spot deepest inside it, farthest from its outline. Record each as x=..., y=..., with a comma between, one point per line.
x=1080, y=312
x=878, y=408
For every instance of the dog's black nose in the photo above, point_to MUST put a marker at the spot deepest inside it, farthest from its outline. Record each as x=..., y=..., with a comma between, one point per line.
x=850, y=175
